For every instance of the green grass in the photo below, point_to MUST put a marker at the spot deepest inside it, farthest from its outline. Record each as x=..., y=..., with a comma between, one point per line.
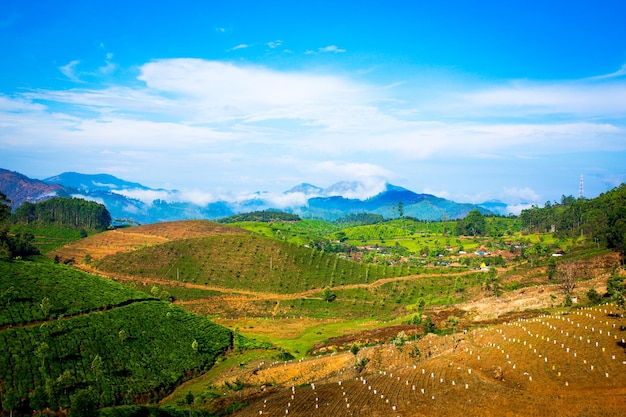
x=299, y=345
x=304, y=232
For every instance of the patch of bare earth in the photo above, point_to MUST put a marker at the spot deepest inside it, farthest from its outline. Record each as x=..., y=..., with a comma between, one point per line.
x=556, y=364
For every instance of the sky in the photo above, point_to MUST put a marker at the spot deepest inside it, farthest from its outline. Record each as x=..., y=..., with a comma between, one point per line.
x=466, y=100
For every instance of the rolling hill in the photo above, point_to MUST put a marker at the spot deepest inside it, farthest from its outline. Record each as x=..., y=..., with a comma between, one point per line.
x=216, y=255
x=306, y=302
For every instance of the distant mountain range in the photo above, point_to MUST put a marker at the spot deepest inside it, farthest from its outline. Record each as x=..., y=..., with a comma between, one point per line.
x=136, y=203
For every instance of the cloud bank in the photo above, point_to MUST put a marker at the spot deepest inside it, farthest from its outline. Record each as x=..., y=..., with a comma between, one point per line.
x=214, y=125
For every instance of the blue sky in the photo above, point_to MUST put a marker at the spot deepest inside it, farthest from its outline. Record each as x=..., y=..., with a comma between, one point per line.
x=467, y=100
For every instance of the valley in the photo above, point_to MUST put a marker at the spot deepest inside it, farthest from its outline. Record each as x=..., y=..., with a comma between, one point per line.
x=307, y=317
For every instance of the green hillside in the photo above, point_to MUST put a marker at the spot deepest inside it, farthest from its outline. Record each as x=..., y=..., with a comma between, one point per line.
x=65, y=333
x=245, y=262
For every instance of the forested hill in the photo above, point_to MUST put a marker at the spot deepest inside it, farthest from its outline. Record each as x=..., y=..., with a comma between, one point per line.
x=266, y=216
x=73, y=212
x=602, y=219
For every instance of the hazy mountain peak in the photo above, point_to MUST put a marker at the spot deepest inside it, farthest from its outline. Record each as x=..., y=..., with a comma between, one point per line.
x=343, y=187
x=92, y=182
x=306, y=189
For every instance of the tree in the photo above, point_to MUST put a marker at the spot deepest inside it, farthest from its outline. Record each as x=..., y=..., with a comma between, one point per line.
x=10, y=401
x=38, y=399
x=400, y=340
x=42, y=353
x=566, y=274
x=45, y=306
x=429, y=326
x=361, y=364
x=474, y=224
x=83, y=404
x=594, y=297
x=329, y=295
x=400, y=209
x=96, y=365
x=5, y=207
x=452, y=322
x=614, y=286
x=189, y=398
x=551, y=268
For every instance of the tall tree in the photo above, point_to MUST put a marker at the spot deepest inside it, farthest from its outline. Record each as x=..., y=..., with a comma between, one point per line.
x=474, y=224
x=5, y=208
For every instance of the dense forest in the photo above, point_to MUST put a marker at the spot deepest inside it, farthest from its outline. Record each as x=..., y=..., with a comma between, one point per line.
x=361, y=218
x=266, y=216
x=602, y=219
x=73, y=212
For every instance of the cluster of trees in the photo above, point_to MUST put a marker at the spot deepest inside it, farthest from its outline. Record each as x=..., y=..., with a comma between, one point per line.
x=13, y=244
x=266, y=216
x=474, y=224
x=72, y=212
x=361, y=218
x=602, y=219
x=15, y=236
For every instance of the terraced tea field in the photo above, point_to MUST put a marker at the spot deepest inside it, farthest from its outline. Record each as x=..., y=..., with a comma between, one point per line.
x=63, y=331
x=567, y=363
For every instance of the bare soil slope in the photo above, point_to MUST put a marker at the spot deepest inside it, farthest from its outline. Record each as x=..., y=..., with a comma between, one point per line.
x=565, y=364
x=132, y=238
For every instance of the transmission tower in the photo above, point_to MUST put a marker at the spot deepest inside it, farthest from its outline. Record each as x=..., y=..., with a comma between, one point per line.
x=580, y=189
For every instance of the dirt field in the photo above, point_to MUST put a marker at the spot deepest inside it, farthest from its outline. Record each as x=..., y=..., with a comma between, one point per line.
x=565, y=364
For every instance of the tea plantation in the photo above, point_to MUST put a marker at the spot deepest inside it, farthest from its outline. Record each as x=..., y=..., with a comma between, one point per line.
x=65, y=334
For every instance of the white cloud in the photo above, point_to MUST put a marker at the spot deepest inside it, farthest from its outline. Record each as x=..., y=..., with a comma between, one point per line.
x=441, y=194
x=239, y=88
x=351, y=170
x=619, y=73
x=516, y=209
x=232, y=121
x=240, y=46
x=523, y=99
x=146, y=196
x=198, y=197
x=69, y=70
x=331, y=48
x=88, y=198
x=275, y=44
x=521, y=195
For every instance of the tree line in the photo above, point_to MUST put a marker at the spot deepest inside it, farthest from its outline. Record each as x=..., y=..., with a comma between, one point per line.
x=67, y=212
x=266, y=216
x=72, y=212
x=602, y=219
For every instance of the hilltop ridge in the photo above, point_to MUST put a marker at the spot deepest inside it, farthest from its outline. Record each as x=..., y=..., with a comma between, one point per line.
x=134, y=203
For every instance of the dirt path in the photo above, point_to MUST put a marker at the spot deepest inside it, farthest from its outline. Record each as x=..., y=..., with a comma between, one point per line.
x=71, y=316
x=256, y=294
x=482, y=308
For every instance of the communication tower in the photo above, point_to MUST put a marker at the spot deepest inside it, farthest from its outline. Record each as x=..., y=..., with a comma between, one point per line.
x=580, y=189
